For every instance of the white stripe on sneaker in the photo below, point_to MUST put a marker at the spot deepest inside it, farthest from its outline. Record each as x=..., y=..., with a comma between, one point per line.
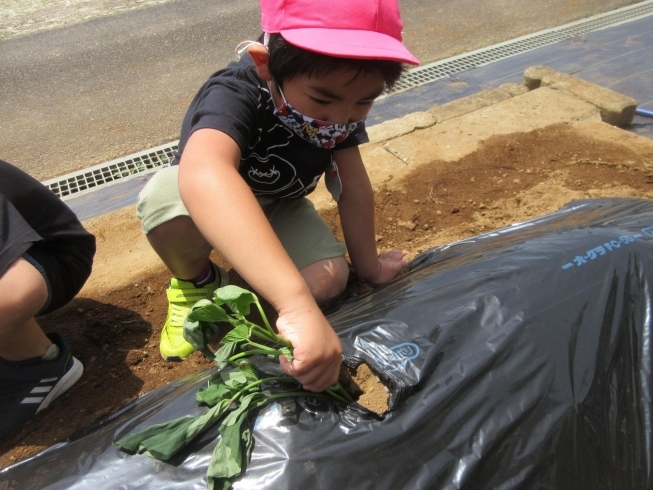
x=41, y=389
x=48, y=380
x=32, y=399
x=65, y=382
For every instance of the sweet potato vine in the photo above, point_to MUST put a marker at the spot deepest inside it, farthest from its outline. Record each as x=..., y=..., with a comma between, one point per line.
x=234, y=392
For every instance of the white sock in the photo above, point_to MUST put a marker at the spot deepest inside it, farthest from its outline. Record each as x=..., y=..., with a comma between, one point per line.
x=52, y=353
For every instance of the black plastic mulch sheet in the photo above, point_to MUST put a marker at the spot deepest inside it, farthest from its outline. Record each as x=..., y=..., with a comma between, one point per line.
x=519, y=359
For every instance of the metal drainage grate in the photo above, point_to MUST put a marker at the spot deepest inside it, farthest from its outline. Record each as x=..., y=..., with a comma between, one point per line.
x=150, y=160
x=444, y=68
x=105, y=173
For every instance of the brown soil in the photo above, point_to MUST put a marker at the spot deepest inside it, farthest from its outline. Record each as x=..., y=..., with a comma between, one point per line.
x=114, y=332
x=366, y=387
x=372, y=393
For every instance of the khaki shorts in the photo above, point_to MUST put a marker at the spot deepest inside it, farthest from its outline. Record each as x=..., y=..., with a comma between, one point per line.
x=302, y=232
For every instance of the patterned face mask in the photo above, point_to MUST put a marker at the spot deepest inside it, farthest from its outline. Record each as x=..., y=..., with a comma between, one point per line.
x=322, y=134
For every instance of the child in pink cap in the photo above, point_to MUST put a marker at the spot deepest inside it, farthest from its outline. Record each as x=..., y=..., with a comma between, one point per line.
x=255, y=141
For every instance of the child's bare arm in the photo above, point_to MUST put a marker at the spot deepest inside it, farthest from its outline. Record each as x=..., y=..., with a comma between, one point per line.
x=226, y=212
x=356, y=207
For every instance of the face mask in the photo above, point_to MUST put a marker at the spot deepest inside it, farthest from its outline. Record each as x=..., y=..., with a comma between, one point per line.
x=322, y=134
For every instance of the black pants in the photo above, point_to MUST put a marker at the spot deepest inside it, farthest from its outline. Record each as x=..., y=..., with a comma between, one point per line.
x=34, y=221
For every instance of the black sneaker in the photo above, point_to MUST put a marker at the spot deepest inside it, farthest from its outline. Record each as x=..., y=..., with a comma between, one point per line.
x=27, y=387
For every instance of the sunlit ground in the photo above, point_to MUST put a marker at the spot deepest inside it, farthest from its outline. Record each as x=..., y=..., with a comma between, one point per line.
x=20, y=17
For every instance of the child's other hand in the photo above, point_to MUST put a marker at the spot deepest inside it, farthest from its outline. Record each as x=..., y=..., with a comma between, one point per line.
x=316, y=348
x=390, y=263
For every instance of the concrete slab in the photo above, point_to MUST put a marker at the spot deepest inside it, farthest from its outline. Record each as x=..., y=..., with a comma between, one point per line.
x=401, y=126
x=456, y=137
x=616, y=109
x=477, y=101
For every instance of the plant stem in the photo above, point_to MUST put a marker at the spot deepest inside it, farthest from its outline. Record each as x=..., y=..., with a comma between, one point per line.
x=254, y=384
x=271, y=336
x=253, y=352
x=328, y=394
x=345, y=393
x=264, y=317
x=258, y=346
x=337, y=396
x=263, y=334
x=289, y=394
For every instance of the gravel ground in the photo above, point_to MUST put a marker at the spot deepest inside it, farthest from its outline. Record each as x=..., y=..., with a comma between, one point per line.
x=20, y=17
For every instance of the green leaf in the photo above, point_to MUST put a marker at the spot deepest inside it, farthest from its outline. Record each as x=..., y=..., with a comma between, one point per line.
x=224, y=386
x=249, y=371
x=225, y=352
x=221, y=485
x=239, y=333
x=208, y=420
x=199, y=332
x=133, y=442
x=214, y=393
x=207, y=311
x=234, y=379
x=236, y=298
x=162, y=441
x=166, y=443
x=233, y=452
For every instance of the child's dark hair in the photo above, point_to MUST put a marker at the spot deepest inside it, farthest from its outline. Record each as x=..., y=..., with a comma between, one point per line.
x=288, y=61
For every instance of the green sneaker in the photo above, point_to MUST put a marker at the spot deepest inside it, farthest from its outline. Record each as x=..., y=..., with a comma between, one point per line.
x=181, y=296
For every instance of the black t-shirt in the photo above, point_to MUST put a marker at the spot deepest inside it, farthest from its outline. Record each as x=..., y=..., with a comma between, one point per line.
x=274, y=162
x=31, y=214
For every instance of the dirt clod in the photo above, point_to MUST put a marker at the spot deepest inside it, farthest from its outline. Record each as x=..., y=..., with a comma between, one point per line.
x=374, y=393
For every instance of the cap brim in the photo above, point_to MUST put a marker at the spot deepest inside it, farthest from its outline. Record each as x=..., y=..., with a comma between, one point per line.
x=347, y=43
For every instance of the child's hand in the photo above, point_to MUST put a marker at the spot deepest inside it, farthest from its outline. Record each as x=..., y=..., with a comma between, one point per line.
x=390, y=263
x=316, y=348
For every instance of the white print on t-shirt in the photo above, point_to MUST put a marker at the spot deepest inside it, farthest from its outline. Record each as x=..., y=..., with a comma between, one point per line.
x=269, y=177
x=273, y=166
x=269, y=173
x=313, y=184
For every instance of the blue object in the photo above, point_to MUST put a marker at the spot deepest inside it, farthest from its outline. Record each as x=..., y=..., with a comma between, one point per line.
x=643, y=112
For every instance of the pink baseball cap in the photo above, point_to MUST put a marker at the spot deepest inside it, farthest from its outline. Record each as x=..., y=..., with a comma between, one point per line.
x=368, y=29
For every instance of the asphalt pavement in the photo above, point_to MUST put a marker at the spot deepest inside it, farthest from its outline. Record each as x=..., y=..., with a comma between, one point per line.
x=91, y=92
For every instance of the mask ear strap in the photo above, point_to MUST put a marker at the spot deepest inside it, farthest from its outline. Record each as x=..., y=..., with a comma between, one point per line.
x=242, y=47
x=283, y=97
